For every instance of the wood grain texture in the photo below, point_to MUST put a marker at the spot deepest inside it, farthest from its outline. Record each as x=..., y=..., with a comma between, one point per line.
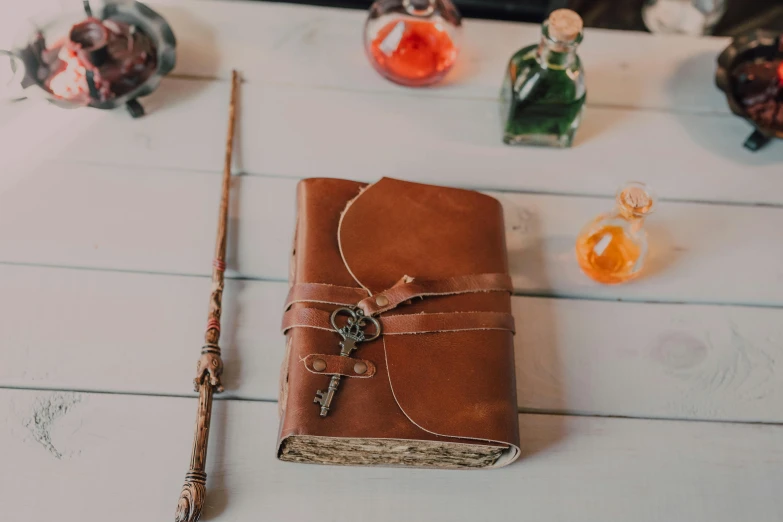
x=607, y=358
x=586, y=469
x=139, y=229
x=210, y=366
x=194, y=491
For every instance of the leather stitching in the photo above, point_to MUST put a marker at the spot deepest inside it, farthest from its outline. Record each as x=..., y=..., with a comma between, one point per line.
x=362, y=190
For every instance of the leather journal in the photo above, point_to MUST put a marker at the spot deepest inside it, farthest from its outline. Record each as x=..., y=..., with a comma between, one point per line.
x=398, y=327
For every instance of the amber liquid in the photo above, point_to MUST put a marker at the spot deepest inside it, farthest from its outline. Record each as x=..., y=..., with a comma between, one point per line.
x=423, y=54
x=608, y=255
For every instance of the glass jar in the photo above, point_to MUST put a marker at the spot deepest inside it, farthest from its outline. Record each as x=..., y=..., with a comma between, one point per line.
x=413, y=42
x=693, y=17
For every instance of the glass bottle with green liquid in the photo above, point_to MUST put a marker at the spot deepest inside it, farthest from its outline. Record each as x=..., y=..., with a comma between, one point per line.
x=544, y=89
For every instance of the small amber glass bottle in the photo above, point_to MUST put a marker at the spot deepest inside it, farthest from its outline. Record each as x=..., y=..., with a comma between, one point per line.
x=612, y=248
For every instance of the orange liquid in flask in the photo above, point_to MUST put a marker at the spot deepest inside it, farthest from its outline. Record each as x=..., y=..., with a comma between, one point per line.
x=413, y=52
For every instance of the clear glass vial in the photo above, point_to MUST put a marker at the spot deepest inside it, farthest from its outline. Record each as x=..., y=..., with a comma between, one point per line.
x=413, y=42
x=544, y=88
x=693, y=17
x=612, y=248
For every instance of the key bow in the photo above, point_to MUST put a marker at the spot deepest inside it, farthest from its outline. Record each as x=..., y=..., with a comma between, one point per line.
x=355, y=324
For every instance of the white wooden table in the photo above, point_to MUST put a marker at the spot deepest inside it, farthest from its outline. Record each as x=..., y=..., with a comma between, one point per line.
x=656, y=401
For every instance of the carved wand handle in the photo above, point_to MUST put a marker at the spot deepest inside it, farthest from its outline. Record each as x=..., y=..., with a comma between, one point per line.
x=210, y=365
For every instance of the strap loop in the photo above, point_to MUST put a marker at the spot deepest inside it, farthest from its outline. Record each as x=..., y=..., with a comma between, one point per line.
x=339, y=365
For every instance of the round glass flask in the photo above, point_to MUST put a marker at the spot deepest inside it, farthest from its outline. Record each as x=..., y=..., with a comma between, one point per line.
x=612, y=248
x=413, y=42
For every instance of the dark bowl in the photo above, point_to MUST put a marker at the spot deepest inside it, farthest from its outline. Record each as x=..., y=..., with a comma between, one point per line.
x=55, y=26
x=747, y=48
x=156, y=27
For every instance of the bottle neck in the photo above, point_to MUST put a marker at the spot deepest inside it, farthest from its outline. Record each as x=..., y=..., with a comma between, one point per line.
x=555, y=55
x=635, y=221
x=634, y=203
x=419, y=7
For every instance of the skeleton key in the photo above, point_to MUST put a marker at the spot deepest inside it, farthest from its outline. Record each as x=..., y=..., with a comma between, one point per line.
x=352, y=334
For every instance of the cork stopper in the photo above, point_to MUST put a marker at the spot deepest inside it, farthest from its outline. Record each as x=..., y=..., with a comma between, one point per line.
x=636, y=197
x=565, y=25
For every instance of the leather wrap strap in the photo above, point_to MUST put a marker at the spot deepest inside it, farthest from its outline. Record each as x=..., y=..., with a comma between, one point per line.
x=409, y=288
x=405, y=289
x=408, y=323
x=323, y=293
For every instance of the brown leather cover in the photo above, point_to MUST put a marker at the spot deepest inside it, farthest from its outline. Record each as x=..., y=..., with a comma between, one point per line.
x=441, y=386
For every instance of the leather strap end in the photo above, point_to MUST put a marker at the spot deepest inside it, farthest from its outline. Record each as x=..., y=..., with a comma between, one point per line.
x=408, y=288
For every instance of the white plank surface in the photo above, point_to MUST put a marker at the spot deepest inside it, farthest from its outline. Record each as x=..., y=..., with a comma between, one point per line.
x=77, y=329
x=84, y=330
x=125, y=456
x=163, y=221
x=298, y=131
x=307, y=76
x=144, y=220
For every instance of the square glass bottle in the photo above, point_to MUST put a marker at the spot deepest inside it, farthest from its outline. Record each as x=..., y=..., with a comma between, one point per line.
x=544, y=89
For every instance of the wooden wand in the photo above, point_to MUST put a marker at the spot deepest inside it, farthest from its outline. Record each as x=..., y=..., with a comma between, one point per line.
x=210, y=366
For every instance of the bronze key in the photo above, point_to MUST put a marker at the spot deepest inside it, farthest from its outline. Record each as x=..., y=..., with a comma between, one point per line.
x=352, y=334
